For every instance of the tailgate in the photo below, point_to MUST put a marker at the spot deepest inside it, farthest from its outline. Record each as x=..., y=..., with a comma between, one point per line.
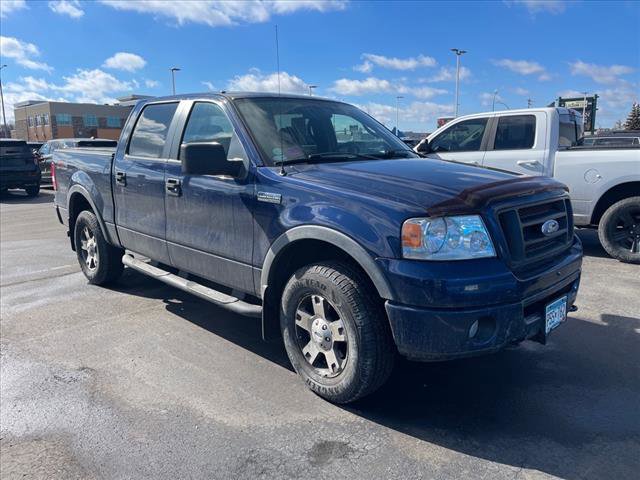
x=16, y=158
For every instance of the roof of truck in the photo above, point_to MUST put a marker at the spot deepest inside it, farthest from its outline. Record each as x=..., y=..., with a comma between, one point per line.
x=235, y=95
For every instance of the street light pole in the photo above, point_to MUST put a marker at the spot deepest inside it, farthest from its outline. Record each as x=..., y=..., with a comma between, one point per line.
x=458, y=53
x=311, y=87
x=493, y=104
x=584, y=109
x=398, y=97
x=4, y=117
x=173, y=78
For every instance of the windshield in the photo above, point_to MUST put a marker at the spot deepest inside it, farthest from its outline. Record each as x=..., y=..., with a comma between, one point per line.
x=290, y=129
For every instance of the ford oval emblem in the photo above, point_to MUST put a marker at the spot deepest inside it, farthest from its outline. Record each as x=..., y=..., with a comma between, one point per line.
x=550, y=227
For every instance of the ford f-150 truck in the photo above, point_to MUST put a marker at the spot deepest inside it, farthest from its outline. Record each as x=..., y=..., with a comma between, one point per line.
x=314, y=217
x=603, y=181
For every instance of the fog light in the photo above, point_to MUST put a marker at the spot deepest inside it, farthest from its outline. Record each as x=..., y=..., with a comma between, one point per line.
x=474, y=329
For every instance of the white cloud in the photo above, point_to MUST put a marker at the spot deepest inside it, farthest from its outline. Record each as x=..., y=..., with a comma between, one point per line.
x=258, y=82
x=524, y=67
x=151, y=83
x=606, y=74
x=9, y=6
x=223, y=12
x=22, y=53
x=521, y=91
x=394, y=63
x=346, y=86
x=93, y=86
x=416, y=115
x=554, y=7
x=448, y=74
x=129, y=62
x=209, y=86
x=67, y=7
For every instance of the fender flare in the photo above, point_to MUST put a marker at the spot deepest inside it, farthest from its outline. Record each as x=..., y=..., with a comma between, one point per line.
x=337, y=239
x=79, y=189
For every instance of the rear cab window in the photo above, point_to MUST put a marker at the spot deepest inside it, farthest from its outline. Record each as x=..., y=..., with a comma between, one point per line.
x=150, y=132
x=515, y=132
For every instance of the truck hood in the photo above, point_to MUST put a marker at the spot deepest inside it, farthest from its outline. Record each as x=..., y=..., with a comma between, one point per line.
x=436, y=186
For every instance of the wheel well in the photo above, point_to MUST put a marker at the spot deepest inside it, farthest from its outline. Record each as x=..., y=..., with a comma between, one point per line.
x=77, y=204
x=291, y=258
x=613, y=195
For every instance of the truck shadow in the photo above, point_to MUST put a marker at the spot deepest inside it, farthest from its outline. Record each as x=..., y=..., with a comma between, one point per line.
x=591, y=243
x=568, y=409
x=19, y=196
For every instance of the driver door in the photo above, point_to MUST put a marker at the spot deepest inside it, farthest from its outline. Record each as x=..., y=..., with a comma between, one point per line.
x=464, y=141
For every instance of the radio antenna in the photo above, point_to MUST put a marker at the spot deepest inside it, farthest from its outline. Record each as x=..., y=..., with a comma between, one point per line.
x=282, y=170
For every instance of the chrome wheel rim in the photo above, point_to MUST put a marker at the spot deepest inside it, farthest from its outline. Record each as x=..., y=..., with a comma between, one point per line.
x=321, y=336
x=89, y=249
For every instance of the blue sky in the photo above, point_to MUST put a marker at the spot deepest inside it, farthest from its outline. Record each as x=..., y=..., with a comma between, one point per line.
x=366, y=53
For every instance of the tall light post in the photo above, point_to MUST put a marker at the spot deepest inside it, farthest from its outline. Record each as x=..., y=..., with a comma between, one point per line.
x=4, y=117
x=311, y=87
x=493, y=104
x=173, y=78
x=458, y=53
x=398, y=98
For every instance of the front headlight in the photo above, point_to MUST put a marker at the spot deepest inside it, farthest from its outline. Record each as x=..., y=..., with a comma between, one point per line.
x=446, y=238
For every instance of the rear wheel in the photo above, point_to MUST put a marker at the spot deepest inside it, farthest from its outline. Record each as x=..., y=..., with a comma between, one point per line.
x=32, y=190
x=101, y=263
x=619, y=230
x=335, y=332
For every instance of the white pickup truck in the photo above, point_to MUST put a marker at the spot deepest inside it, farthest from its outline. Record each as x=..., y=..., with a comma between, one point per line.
x=604, y=182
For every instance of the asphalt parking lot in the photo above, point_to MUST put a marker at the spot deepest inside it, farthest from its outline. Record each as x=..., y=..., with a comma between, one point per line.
x=143, y=381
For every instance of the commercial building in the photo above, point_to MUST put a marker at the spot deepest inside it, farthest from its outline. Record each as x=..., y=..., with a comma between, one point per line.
x=37, y=120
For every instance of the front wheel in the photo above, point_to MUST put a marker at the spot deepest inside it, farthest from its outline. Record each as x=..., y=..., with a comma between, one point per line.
x=100, y=262
x=335, y=332
x=619, y=230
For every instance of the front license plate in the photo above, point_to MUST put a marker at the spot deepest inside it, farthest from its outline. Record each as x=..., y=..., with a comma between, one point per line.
x=555, y=314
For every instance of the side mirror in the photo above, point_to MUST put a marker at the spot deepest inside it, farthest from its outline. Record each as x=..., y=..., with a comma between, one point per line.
x=207, y=158
x=423, y=146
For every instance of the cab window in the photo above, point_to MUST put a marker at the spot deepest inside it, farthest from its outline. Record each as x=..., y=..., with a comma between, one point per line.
x=150, y=133
x=465, y=136
x=515, y=132
x=208, y=123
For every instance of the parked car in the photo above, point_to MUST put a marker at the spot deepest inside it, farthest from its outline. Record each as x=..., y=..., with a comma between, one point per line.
x=18, y=167
x=35, y=146
x=45, y=153
x=313, y=216
x=604, y=182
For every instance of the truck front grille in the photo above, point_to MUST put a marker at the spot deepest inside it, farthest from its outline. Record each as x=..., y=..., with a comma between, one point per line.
x=522, y=227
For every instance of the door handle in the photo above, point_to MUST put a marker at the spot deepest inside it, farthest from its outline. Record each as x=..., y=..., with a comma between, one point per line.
x=529, y=163
x=173, y=187
x=121, y=178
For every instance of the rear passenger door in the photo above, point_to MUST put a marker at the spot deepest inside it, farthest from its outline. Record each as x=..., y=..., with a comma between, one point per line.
x=464, y=141
x=516, y=145
x=138, y=182
x=210, y=217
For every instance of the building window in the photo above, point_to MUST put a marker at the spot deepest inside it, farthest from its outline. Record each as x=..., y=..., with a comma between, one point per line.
x=45, y=119
x=114, y=122
x=37, y=119
x=90, y=121
x=30, y=121
x=63, y=119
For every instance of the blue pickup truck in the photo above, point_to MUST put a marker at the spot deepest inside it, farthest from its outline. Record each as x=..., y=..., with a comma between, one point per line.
x=312, y=216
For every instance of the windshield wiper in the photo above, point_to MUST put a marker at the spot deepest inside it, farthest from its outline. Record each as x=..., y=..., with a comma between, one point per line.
x=396, y=154
x=329, y=157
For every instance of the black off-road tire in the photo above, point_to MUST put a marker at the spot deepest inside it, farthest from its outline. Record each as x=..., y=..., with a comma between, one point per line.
x=371, y=353
x=32, y=190
x=109, y=264
x=619, y=230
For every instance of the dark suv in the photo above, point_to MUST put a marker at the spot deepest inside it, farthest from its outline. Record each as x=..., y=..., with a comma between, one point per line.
x=18, y=167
